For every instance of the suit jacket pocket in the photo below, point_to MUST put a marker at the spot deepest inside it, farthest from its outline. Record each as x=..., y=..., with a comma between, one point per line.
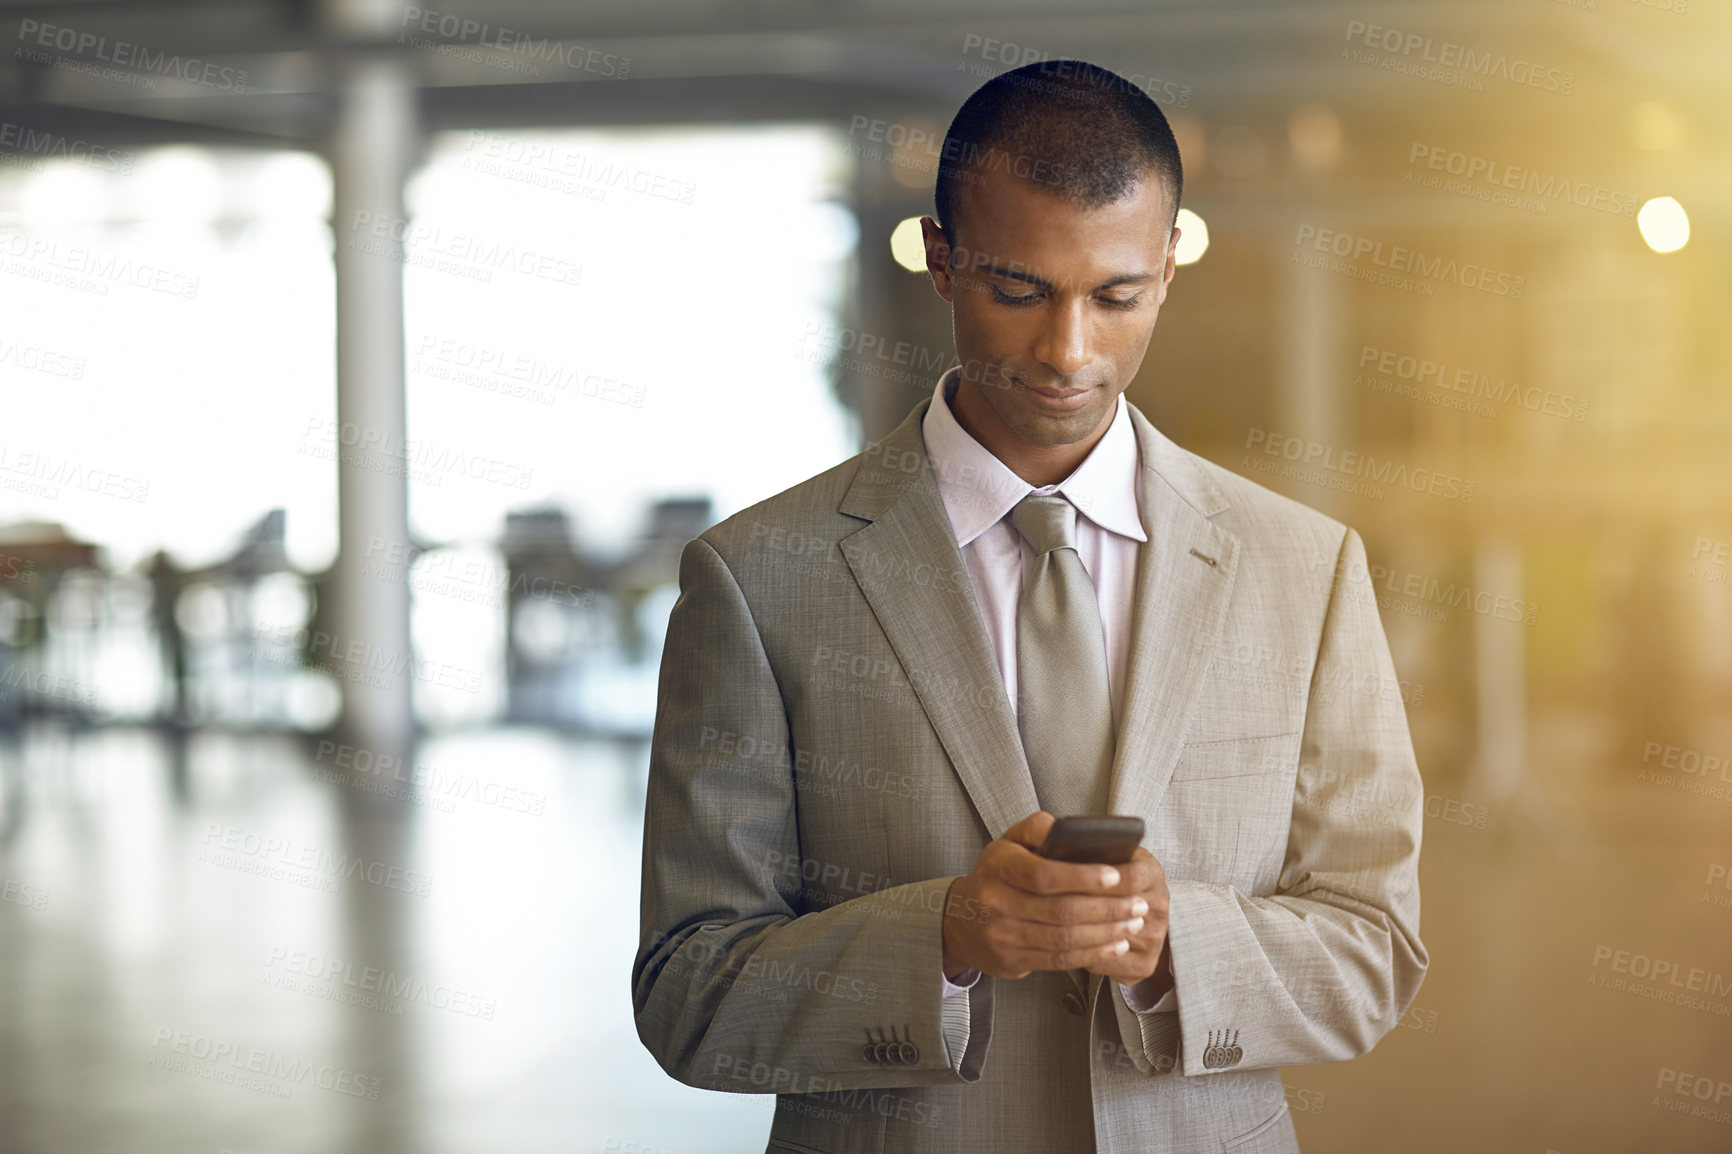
x=1226, y=810
x=783, y=1144
x=1273, y=1135
x=1238, y=756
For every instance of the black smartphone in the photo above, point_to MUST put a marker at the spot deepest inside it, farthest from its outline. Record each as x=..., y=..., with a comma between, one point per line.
x=1107, y=840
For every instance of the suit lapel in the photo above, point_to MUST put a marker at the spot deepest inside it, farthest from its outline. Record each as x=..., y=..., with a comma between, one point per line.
x=940, y=639
x=1180, y=608
x=1181, y=605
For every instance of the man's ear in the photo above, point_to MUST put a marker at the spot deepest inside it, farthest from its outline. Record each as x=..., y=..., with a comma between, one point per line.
x=937, y=257
x=1172, y=262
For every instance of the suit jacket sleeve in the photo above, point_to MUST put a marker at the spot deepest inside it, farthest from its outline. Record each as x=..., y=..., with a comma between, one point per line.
x=736, y=985
x=1325, y=966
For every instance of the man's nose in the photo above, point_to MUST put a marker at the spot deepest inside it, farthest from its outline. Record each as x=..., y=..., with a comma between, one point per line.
x=1064, y=340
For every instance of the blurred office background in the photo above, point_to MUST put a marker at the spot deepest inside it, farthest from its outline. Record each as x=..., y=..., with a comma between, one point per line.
x=365, y=366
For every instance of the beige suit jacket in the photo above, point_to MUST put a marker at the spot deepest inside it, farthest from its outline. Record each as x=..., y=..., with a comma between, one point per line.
x=833, y=746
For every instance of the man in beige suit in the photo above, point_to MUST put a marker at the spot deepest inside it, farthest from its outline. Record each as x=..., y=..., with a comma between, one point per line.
x=858, y=724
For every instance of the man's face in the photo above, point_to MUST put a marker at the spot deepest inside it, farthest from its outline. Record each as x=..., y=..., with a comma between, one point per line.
x=1053, y=303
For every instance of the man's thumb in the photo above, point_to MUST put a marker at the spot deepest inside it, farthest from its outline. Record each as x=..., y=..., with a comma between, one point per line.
x=1031, y=831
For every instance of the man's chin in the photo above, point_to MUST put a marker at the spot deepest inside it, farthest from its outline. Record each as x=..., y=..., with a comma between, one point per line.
x=1058, y=428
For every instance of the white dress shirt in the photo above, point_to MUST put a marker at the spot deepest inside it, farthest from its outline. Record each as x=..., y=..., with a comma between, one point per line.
x=979, y=491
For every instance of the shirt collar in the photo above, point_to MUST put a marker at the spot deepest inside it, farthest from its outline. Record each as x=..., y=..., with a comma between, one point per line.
x=979, y=489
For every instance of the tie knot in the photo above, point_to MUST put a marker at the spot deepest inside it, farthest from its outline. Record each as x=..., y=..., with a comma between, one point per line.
x=1047, y=522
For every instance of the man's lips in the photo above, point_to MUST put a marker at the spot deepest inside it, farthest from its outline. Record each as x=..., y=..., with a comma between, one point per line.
x=1057, y=399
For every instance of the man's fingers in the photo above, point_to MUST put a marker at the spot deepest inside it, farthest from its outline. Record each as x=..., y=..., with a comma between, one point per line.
x=1035, y=946
x=1052, y=915
x=1028, y=871
x=1138, y=875
x=1075, y=909
x=1088, y=958
x=1069, y=939
x=1130, y=967
x=1091, y=958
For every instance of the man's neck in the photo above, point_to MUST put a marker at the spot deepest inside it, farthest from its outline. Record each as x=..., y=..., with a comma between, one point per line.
x=1039, y=465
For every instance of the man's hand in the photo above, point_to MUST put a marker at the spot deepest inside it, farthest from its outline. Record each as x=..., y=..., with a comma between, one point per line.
x=1147, y=961
x=1017, y=912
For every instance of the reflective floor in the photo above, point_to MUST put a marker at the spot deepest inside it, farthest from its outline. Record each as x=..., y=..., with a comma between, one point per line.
x=230, y=958
x=256, y=969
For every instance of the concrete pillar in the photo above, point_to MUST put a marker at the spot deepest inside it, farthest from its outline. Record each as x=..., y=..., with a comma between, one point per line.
x=893, y=305
x=1310, y=367
x=373, y=147
x=375, y=144
x=1500, y=678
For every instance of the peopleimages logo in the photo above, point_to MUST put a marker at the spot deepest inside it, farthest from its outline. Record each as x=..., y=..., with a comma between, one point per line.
x=17, y=676
x=85, y=269
x=1316, y=461
x=1403, y=260
x=564, y=170
x=438, y=460
x=267, y=1071
x=1434, y=378
x=36, y=359
x=440, y=784
x=1007, y=55
x=1499, y=176
x=811, y=771
x=465, y=254
x=370, y=986
x=1704, y=1088
x=35, y=472
x=1433, y=596
x=962, y=154
x=1662, y=980
x=125, y=54
x=1407, y=47
x=20, y=894
x=455, y=30
x=233, y=848
x=23, y=142
x=500, y=370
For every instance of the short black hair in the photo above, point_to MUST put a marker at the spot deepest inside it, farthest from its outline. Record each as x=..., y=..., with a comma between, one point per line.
x=1084, y=131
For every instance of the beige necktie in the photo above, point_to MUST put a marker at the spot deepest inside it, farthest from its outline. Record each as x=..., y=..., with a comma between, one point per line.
x=1064, y=706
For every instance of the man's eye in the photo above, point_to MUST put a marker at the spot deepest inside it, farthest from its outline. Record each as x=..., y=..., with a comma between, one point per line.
x=1005, y=298
x=1126, y=303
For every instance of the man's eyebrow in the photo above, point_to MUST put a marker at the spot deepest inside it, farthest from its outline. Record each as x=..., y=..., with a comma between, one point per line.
x=1040, y=282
